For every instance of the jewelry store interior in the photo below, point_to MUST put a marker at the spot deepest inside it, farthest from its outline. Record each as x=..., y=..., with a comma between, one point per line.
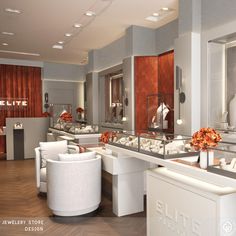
x=114, y=122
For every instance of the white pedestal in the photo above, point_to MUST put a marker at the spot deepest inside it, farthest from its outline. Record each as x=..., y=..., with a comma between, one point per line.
x=127, y=181
x=181, y=205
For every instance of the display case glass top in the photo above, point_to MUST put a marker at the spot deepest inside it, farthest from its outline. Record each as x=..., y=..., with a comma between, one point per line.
x=158, y=144
x=224, y=160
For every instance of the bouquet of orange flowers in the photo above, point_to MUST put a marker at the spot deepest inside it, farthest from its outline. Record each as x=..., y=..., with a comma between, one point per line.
x=79, y=110
x=66, y=116
x=204, y=138
x=107, y=136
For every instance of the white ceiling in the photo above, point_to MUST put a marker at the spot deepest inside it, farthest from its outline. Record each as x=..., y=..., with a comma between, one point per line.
x=43, y=23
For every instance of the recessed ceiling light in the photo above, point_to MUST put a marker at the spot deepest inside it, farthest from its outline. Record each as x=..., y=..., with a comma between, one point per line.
x=10, y=10
x=21, y=53
x=7, y=33
x=165, y=8
x=90, y=13
x=57, y=46
x=77, y=25
x=68, y=34
x=152, y=18
x=60, y=42
x=155, y=14
x=5, y=44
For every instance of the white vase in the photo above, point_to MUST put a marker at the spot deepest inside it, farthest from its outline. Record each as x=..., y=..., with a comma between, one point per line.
x=232, y=112
x=203, y=159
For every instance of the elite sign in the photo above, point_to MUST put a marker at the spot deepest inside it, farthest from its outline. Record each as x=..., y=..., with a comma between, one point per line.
x=10, y=103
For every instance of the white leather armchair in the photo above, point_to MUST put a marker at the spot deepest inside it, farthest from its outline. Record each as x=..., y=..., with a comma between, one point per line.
x=74, y=187
x=40, y=169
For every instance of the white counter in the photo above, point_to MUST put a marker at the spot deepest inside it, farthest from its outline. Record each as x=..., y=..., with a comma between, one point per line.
x=181, y=205
x=180, y=168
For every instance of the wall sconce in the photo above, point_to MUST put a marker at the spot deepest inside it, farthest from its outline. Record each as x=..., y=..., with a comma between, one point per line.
x=182, y=96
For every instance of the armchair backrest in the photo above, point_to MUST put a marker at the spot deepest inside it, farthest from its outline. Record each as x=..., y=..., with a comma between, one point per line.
x=50, y=150
x=78, y=183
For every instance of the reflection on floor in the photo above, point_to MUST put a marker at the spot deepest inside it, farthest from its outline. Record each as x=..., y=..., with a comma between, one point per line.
x=24, y=212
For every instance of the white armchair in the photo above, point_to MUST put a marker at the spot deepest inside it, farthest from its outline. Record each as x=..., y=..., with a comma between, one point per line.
x=49, y=150
x=74, y=185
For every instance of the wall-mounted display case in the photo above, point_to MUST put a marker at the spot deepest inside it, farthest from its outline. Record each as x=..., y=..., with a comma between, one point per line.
x=224, y=160
x=161, y=145
x=160, y=112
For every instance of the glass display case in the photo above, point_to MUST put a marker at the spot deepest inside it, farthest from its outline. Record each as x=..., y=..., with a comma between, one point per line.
x=165, y=145
x=160, y=112
x=126, y=139
x=224, y=160
x=59, y=115
x=61, y=119
x=161, y=145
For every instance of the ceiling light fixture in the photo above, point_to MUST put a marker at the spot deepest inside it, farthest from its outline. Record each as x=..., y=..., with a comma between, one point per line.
x=7, y=33
x=10, y=10
x=90, y=13
x=77, y=25
x=57, y=46
x=60, y=42
x=5, y=44
x=21, y=53
x=152, y=18
x=155, y=14
x=165, y=9
x=68, y=34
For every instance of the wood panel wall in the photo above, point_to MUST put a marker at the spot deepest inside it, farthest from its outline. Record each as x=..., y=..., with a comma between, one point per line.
x=153, y=75
x=20, y=82
x=166, y=84
x=145, y=79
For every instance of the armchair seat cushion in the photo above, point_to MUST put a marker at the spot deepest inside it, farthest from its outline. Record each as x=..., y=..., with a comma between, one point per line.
x=77, y=157
x=43, y=175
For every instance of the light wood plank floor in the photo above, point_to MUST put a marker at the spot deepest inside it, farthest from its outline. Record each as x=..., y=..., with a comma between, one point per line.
x=23, y=212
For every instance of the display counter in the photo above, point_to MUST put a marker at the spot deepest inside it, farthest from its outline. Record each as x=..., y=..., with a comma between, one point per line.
x=181, y=205
x=23, y=135
x=79, y=138
x=184, y=167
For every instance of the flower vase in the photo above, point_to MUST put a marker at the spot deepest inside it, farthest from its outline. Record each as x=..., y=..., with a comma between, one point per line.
x=203, y=159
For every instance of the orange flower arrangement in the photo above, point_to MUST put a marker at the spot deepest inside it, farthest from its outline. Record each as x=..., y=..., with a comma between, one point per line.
x=204, y=138
x=79, y=110
x=107, y=136
x=66, y=116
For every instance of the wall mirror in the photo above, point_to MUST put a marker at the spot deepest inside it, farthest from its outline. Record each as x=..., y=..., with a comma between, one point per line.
x=222, y=82
x=114, y=90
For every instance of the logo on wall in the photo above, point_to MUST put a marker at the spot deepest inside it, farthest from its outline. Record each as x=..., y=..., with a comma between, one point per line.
x=13, y=103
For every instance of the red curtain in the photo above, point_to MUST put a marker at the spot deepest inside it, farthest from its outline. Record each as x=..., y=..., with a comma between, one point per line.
x=20, y=82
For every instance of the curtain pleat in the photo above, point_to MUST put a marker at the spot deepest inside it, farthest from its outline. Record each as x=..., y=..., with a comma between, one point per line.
x=20, y=82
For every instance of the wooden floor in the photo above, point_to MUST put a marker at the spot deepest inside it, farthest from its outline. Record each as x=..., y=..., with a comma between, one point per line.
x=23, y=212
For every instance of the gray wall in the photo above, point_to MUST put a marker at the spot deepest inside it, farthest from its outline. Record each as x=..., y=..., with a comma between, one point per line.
x=92, y=98
x=63, y=72
x=165, y=37
x=35, y=131
x=217, y=12
x=61, y=92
